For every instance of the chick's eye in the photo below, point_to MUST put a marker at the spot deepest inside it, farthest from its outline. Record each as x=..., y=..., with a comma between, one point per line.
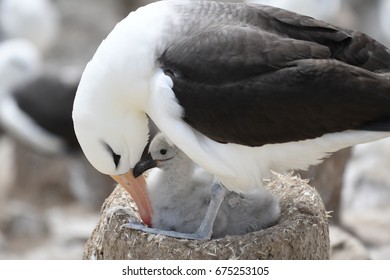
x=163, y=151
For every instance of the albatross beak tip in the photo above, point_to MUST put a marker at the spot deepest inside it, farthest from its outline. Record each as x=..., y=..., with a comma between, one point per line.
x=137, y=189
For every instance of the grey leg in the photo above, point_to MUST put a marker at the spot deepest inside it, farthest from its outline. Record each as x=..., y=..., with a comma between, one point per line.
x=205, y=229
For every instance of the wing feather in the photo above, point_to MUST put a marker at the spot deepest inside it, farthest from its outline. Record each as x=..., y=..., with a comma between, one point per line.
x=253, y=75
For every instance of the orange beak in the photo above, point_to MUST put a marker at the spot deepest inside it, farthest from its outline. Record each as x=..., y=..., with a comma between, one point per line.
x=136, y=187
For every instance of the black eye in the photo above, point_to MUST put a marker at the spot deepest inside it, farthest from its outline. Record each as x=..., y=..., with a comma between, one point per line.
x=115, y=156
x=163, y=151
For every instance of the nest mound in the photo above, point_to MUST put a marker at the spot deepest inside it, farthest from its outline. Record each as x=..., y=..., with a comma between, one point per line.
x=302, y=231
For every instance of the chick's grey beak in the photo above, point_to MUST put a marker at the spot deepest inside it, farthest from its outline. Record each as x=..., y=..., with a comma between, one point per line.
x=146, y=163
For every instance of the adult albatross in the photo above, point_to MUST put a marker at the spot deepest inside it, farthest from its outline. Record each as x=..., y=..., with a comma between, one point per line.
x=240, y=88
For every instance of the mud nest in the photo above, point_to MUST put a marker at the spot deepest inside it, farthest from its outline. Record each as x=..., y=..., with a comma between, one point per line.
x=301, y=232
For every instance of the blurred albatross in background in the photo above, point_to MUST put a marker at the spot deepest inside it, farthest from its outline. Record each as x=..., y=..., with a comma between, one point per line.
x=20, y=62
x=34, y=20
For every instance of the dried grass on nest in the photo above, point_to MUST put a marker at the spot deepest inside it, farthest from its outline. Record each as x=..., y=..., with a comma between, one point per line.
x=301, y=233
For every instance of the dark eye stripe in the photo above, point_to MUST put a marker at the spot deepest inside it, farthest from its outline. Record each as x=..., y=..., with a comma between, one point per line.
x=115, y=156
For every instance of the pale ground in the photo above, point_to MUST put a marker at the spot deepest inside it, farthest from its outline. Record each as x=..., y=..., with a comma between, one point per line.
x=59, y=229
x=366, y=197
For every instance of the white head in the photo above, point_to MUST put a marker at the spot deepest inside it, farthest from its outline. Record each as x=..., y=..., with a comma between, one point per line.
x=109, y=115
x=109, y=111
x=112, y=132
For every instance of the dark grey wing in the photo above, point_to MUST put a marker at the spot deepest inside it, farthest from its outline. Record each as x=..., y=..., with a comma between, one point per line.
x=304, y=100
x=255, y=38
x=264, y=75
x=234, y=53
x=352, y=47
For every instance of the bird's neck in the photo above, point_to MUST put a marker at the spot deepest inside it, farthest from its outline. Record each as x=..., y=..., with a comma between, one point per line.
x=179, y=174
